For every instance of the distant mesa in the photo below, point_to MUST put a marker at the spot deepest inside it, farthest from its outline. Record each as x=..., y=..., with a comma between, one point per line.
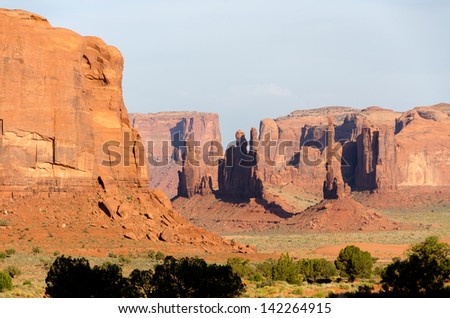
x=329, y=154
x=164, y=136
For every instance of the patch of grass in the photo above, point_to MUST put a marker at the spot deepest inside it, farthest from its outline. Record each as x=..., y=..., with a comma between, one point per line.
x=13, y=271
x=36, y=250
x=321, y=294
x=298, y=291
x=159, y=256
x=124, y=259
x=4, y=222
x=46, y=263
x=10, y=251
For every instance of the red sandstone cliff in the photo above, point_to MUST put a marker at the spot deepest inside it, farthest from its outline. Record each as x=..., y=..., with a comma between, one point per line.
x=61, y=100
x=60, y=104
x=164, y=135
x=381, y=149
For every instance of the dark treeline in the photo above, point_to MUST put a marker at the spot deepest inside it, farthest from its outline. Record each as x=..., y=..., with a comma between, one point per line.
x=424, y=272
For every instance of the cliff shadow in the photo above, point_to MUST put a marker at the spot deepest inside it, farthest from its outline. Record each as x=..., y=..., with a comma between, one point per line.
x=272, y=207
x=349, y=162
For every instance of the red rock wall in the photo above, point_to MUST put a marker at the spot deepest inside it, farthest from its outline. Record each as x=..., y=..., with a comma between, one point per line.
x=61, y=100
x=382, y=149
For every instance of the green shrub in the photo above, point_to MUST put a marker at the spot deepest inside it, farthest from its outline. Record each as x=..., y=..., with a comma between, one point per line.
x=69, y=278
x=107, y=281
x=36, y=250
x=151, y=254
x=5, y=282
x=2, y=255
x=124, y=259
x=73, y=277
x=10, y=251
x=286, y=270
x=365, y=289
x=193, y=277
x=244, y=269
x=27, y=283
x=266, y=268
x=159, y=256
x=353, y=262
x=141, y=284
x=13, y=271
x=317, y=270
x=424, y=272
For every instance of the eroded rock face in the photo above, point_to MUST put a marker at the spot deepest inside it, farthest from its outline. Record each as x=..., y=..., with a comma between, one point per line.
x=332, y=186
x=381, y=149
x=60, y=102
x=238, y=172
x=164, y=136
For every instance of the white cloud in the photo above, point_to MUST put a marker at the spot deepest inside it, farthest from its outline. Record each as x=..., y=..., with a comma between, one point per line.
x=270, y=89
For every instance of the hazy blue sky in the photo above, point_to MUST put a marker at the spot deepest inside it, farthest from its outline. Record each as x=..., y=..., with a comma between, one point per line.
x=251, y=59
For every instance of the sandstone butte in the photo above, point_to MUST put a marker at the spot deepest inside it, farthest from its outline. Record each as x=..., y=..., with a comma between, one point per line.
x=61, y=101
x=381, y=150
x=401, y=158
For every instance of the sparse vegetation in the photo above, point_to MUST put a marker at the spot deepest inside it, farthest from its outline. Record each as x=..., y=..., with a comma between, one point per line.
x=124, y=259
x=13, y=271
x=159, y=256
x=9, y=252
x=36, y=250
x=151, y=254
